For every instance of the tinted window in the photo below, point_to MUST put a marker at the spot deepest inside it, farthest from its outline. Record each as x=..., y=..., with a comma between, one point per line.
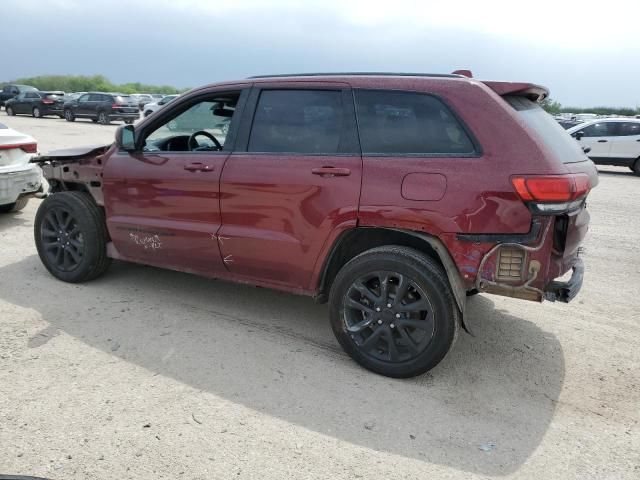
x=408, y=123
x=32, y=95
x=629, y=128
x=298, y=121
x=603, y=129
x=84, y=98
x=554, y=136
x=94, y=97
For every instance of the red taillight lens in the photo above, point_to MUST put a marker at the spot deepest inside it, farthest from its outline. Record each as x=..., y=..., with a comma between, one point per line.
x=29, y=147
x=116, y=105
x=47, y=101
x=557, y=188
x=26, y=147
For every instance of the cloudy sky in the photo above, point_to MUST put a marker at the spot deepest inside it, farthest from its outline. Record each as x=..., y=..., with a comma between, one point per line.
x=587, y=53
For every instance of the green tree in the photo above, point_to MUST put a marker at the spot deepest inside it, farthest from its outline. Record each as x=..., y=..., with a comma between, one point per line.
x=96, y=83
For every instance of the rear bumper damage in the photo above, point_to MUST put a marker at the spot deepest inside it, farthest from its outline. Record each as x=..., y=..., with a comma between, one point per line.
x=16, y=184
x=566, y=291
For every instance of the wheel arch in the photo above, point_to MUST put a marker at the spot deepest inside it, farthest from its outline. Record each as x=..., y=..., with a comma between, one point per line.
x=360, y=239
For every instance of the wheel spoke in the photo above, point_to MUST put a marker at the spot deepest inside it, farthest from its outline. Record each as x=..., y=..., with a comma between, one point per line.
x=59, y=255
x=408, y=340
x=384, y=286
x=350, y=302
x=65, y=259
x=371, y=341
x=425, y=325
x=51, y=219
x=394, y=355
x=401, y=291
x=50, y=245
x=417, y=306
x=365, y=291
x=59, y=220
x=358, y=327
x=48, y=232
x=67, y=221
x=74, y=254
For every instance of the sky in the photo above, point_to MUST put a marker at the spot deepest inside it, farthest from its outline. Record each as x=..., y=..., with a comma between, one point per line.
x=587, y=53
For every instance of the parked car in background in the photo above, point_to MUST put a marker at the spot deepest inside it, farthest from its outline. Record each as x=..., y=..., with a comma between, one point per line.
x=10, y=91
x=612, y=141
x=102, y=108
x=38, y=104
x=19, y=179
x=73, y=96
x=391, y=197
x=142, y=99
x=567, y=124
x=157, y=96
x=154, y=106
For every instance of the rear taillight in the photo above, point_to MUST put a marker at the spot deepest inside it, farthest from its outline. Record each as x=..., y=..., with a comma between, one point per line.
x=116, y=105
x=26, y=147
x=47, y=101
x=552, y=194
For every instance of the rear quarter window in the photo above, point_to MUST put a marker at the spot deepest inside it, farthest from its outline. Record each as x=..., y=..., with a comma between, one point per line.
x=551, y=133
x=392, y=122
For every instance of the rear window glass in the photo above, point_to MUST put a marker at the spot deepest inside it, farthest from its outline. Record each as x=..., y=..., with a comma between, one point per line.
x=554, y=136
x=123, y=98
x=408, y=123
x=297, y=121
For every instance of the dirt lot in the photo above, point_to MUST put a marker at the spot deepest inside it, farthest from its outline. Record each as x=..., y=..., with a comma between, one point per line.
x=148, y=374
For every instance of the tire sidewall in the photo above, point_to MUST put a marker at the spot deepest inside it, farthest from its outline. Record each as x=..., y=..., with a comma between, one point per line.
x=432, y=285
x=9, y=111
x=86, y=225
x=36, y=112
x=68, y=116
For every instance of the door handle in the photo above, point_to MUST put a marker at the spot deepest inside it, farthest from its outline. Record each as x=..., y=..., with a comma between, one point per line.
x=603, y=141
x=331, y=171
x=199, y=167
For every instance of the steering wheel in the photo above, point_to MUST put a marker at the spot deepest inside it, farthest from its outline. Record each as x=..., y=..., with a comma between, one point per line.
x=193, y=143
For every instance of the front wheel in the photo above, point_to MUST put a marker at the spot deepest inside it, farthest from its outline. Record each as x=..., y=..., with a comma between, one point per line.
x=636, y=167
x=71, y=237
x=15, y=206
x=9, y=111
x=393, y=312
x=103, y=119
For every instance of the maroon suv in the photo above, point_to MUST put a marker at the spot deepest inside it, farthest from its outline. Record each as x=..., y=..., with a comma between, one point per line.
x=391, y=196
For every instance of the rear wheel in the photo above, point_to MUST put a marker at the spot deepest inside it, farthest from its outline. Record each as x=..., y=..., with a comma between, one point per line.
x=103, y=119
x=69, y=116
x=14, y=207
x=636, y=167
x=393, y=312
x=9, y=111
x=36, y=112
x=71, y=237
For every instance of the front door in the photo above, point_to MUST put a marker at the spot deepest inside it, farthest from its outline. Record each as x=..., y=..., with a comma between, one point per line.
x=625, y=146
x=598, y=137
x=295, y=185
x=162, y=203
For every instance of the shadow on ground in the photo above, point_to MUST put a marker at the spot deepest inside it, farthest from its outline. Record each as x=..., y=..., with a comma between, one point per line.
x=13, y=219
x=484, y=409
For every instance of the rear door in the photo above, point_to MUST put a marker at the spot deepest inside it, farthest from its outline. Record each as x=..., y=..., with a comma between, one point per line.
x=292, y=185
x=82, y=110
x=626, y=144
x=162, y=203
x=598, y=137
x=19, y=103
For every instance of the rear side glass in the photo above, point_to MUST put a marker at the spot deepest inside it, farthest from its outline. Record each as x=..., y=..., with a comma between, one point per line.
x=393, y=122
x=602, y=129
x=94, y=98
x=297, y=121
x=628, y=129
x=123, y=99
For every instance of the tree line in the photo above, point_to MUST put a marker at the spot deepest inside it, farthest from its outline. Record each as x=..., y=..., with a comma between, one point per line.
x=92, y=83
x=555, y=108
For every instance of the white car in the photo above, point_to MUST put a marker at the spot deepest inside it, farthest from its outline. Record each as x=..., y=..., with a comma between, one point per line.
x=19, y=179
x=149, y=108
x=612, y=141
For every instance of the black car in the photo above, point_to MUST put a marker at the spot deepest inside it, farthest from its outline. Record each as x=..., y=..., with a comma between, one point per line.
x=38, y=104
x=102, y=108
x=11, y=91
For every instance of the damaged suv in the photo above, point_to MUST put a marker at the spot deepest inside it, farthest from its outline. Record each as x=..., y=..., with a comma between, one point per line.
x=391, y=196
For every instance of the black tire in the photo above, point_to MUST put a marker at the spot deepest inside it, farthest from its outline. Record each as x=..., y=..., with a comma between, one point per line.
x=16, y=206
x=75, y=212
x=472, y=292
x=147, y=113
x=69, y=116
x=636, y=167
x=103, y=118
x=9, y=111
x=36, y=112
x=129, y=122
x=385, y=324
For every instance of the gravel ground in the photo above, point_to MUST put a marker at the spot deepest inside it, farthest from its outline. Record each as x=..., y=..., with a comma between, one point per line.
x=149, y=374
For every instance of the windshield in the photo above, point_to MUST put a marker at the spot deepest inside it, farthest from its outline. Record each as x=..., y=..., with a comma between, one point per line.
x=555, y=137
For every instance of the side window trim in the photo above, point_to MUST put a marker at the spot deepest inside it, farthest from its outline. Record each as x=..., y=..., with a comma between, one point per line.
x=349, y=145
x=477, y=146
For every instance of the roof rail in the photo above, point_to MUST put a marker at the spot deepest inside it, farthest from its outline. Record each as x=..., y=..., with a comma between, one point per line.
x=364, y=74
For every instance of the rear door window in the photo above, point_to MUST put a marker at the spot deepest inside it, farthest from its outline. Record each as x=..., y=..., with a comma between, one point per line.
x=94, y=97
x=398, y=123
x=297, y=121
x=601, y=129
x=629, y=129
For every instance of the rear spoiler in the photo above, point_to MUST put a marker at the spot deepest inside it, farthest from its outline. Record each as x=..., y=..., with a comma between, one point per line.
x=533, y=92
